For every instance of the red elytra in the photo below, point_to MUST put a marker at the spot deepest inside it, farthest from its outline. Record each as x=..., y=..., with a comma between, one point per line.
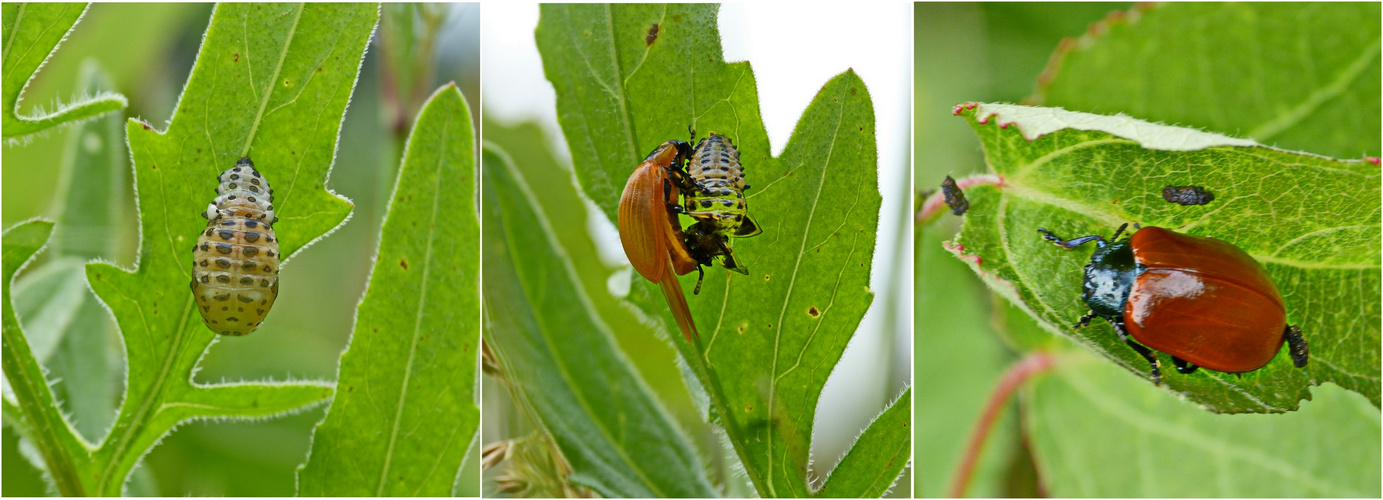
x=651, y=235
x=1201, y=300
x=1205, y=301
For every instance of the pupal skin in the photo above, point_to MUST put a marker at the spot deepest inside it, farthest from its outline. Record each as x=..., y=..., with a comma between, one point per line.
x=650, y=233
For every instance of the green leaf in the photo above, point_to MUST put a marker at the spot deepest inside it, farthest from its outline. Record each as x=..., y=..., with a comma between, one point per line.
x=951, y=302
x=1313, y=222
x=38, y=418
x=32, y=32
x=769, y=340
x=560, y=362
x=1097, y=432
x=54, y=299
x=1300, y=76
x=276, y=93
x=877, y=456
x=410, y=372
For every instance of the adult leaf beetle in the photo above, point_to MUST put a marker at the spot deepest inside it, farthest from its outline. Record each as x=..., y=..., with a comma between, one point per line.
x=1204, y=301
x=650, y=232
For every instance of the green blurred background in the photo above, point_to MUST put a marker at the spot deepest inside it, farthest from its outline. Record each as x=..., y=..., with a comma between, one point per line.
x=987, y=52
x=148, y=50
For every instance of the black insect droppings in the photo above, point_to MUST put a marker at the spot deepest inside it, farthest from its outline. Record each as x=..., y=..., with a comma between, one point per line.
x=955, y=198
x=1187, y=195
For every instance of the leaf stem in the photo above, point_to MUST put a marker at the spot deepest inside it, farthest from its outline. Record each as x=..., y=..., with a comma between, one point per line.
x=43, y=424
x=1033, y=364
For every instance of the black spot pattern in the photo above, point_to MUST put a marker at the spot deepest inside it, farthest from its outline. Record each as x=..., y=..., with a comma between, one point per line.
x=243, y=249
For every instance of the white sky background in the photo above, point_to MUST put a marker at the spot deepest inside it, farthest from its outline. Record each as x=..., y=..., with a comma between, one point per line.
x=794, y=51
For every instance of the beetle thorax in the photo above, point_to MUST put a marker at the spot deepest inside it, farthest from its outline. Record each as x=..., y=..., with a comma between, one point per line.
x=1108, y=279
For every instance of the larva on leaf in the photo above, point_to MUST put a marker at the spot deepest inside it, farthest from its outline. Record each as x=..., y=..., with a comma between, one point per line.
x=235, y=265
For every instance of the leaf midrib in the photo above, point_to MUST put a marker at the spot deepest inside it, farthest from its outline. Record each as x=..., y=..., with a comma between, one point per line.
x=14, y=31
x=269, y=89
x=787, y=297
x=418, y=315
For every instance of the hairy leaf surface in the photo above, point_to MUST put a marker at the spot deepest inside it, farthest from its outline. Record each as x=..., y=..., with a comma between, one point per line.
x=629, y=77
x=1303, y=76
x=32, y=32
x=561, y=363
x=1313, y=222
x=409, y=374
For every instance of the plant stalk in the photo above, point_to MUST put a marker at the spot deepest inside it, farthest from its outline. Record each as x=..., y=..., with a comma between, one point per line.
x=1032, y=365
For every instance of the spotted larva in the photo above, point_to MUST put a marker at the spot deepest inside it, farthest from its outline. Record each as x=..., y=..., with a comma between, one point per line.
x=235, y=264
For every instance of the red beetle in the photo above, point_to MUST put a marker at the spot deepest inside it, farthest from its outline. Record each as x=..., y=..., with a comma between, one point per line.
x=650, y=232
x=1202, y=300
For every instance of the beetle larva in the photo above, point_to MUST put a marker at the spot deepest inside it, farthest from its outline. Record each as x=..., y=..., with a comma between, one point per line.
x=713, y=195
x=235, y=267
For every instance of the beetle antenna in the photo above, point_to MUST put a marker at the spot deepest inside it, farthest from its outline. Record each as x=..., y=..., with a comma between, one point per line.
x=1071, y=243
x=1117, y=233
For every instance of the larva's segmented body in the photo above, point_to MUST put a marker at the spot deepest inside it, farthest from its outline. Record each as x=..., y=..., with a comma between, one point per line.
x=713, y=195
x=717, y=196
x=235, y=265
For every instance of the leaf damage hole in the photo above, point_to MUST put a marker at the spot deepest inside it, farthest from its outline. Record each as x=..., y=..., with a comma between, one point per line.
x=236, y=57
x=813, y=312
x=765, y=277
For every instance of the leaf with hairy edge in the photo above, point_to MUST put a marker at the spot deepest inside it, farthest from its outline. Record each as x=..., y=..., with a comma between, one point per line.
x=31, y=33
x=69, y=331
x=1313, y=222
x=35, y=414
x=276, y=93
x=877, y=456
x=629, y=77
x=1302, y=76
x=410, y=371
x=561, y=363
x=1097, y=432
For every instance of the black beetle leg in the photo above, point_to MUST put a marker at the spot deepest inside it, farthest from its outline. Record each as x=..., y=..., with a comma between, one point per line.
x=1297, y=346
x=1183, y=367
x=1144, y=351
x=1071, y=243
x=1085, y=320
x=700, y=274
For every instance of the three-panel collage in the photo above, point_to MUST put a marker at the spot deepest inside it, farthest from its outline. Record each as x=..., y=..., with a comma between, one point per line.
x=756, y=249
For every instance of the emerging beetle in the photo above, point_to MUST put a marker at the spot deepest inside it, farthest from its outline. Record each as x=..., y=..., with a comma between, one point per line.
x=235, y=275
x=650, y=233
x=713, y=195
x=1202, y=300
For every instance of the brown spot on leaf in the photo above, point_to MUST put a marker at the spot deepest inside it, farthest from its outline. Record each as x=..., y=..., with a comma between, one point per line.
x=813, y=312
x=404, y=264
x=652, y=35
